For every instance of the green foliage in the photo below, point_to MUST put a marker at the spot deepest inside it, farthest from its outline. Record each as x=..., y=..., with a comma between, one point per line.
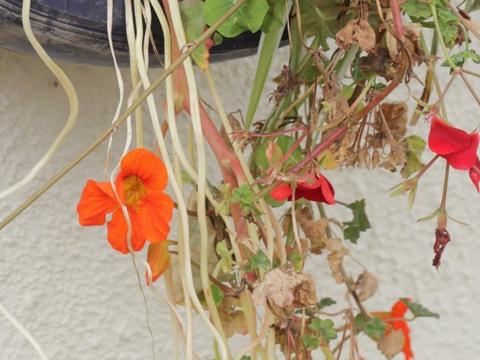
x=324, y=302
x=275, y=16
x=360, y=223
x=460, y=58
x=313, y=21
x=194, y=24
x=418, y=310
x=310, y=342
x=226, y=261
x=243, y=196
x=373, y=327
x=259, y=260
x=248, y=17
x=416, y=9
x=217, y=294
x=415, y=147
x=324, y=328
x=284, y=143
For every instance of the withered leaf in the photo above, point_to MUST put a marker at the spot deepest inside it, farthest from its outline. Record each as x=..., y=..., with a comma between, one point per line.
x=392, y=343
x=335, y=258
x=283, y=286
x=396, y=116
x=232, y=320
x=356, y=32
x=366, y=285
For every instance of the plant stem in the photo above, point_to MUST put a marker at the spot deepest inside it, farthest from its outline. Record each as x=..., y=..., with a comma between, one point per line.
x=112, y=128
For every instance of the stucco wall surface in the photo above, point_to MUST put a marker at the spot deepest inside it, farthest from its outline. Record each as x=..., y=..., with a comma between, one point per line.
x=81, y=300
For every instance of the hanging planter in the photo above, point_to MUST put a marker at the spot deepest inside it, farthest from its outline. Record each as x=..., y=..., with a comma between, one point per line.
x=76, y=31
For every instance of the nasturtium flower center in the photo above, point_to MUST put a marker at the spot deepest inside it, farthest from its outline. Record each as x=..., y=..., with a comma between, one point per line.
x=134, y=190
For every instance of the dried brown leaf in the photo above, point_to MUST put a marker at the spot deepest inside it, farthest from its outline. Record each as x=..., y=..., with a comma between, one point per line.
x=392, y=343
x=356, y=32
x=233, y=321
x=366, y=285
x=335, y=258
x=396, y=117
x=283, y=286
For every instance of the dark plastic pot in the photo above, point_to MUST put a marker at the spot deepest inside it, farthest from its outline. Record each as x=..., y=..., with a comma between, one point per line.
x=76, y=30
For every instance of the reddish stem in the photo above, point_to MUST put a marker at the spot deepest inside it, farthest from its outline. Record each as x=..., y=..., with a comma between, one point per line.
x=342, y=129
x=397, y=19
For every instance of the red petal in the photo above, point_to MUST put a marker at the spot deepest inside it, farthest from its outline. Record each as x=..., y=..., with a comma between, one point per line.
x=323, y=193
x=117, y=232
x=281, y=192
x=158, y=258
x=147, y=167
x=398, y=311
x=158, y=213
x=97, y=200
x=315, y=183
x=445, y=139
x=474, y=176
x=465, y=158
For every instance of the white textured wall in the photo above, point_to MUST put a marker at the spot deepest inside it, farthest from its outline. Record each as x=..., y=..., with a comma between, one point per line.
x=80, y=299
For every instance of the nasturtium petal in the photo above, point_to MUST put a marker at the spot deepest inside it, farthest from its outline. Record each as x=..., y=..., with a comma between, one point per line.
x=248, y=17
x=97, y=200
x=146, y=166
x=157, y=212
x=445, y=139
x=158, y=257
x=117, y=232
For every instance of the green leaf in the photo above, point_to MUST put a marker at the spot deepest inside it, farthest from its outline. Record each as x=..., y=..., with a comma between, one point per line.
x=313, y=21
x=243, y=195
x=275, y=16
x=194, y=24
x=458, y=59
x=226, y=261
x=375, y=328
x=248, y=17
x=273, y=153
x=310, y=342
x=285, y=143
x=415, y=147
x=417, y=9
x=217, y=294
x=418, y=310
x=259, y=260
x=324, y=302
x=324, y=328
x=360, y=223
x=296, y=259
x=186, y=179
x=475, y=57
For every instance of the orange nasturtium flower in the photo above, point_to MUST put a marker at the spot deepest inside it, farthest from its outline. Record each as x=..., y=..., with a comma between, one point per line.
x=398, y=311
x=139, y=186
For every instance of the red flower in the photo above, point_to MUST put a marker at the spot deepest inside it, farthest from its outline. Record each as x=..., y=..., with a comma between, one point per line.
x=317, y=189
x=139, y=186
x=398, y=311
x=456, y=146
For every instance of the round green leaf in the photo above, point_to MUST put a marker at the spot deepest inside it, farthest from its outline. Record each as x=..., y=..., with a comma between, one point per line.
x=248, y=17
